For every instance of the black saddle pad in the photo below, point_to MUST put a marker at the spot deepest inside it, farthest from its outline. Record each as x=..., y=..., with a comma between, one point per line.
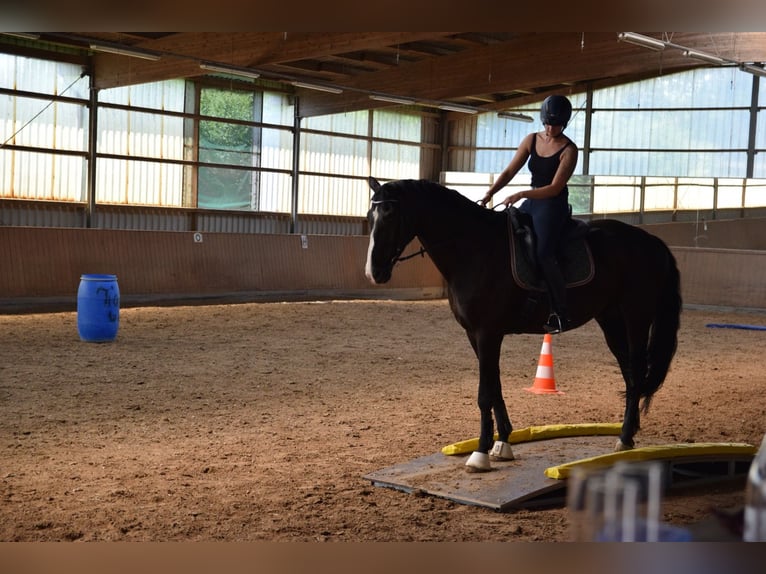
x=574, y=257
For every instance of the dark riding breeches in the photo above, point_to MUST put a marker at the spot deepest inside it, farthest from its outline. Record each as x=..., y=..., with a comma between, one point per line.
x=549, y=217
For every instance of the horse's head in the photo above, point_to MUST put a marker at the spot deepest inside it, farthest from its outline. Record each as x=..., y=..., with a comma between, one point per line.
x=389, y=231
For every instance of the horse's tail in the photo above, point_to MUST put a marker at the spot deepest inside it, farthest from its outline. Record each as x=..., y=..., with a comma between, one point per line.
x=663, y=338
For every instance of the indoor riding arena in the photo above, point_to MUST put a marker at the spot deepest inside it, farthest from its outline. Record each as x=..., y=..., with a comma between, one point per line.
x=256, y=386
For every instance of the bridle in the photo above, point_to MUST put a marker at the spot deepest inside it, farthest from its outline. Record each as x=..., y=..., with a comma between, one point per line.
x=397, y=258
x=422, y=251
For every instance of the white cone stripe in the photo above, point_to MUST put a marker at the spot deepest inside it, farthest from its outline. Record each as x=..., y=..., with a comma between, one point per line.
x=546, y=349
x=544, y=372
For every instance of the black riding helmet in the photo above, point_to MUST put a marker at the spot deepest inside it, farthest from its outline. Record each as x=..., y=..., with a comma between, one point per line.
x=556, y=111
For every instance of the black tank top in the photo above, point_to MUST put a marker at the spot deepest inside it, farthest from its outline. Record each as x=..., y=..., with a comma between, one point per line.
x=543, y=169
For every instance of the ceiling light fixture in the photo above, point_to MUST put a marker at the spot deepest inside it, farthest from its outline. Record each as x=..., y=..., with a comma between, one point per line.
x=458, y=108
x=641, y=40
x=24, y=35
x=753, y=69
x=125, y=52
x=392, y=99
x=227, y=70
x=705, y=57
x=328, y=89
x=515, y=116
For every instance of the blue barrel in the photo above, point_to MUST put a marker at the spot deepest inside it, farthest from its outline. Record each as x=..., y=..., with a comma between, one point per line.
x=98, y=308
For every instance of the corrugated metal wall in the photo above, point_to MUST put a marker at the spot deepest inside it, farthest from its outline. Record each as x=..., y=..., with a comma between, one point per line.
x=173, y=266
x=19, y=213
x=146, y=138
x=41, y=214
x=722, y=277
x=743, y=234
x=462, y=144
x=156, y=265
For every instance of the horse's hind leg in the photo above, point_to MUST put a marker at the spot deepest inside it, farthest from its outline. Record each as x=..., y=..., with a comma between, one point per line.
x=628, y=345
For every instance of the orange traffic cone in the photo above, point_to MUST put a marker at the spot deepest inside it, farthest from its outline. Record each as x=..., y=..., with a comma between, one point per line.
x=545, y=383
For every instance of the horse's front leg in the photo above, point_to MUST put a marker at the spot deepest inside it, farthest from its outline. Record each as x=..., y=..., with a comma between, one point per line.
x=490, y=400
x=502, y=450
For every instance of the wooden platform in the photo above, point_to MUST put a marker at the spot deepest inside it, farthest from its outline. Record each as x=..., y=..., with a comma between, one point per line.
x=522, y=483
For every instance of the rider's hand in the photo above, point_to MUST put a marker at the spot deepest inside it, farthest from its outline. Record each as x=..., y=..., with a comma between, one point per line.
x=511, y=199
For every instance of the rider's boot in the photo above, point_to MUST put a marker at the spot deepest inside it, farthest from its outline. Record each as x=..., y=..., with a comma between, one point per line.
x=558, y=320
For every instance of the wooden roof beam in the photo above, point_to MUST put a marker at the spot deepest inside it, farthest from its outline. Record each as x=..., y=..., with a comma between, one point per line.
x=565, y=58
x=246, y=49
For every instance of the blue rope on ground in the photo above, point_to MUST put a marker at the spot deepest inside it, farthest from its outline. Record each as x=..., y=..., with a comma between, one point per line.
x=736, y=326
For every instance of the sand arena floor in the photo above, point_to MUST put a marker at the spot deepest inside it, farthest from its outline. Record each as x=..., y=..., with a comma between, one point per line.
x=258, y=421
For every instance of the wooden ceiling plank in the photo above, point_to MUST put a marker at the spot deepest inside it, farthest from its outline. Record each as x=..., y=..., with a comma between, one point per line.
x=524, y=65
x=361, y=60
x=246, y=49
x=252, y=49
x=524, y=61
x=507, y=67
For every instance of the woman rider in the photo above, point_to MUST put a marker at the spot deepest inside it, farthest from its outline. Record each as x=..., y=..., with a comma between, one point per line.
x=552, y=159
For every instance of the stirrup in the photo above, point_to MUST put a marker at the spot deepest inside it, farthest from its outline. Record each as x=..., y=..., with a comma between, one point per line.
x=555, y=324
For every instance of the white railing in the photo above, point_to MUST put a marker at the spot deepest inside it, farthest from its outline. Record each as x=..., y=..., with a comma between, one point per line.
x=602, y=194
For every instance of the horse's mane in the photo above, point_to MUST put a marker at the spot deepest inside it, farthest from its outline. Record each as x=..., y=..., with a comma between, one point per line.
x=442, y=197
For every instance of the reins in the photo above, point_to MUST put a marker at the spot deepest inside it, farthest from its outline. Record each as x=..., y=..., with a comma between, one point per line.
x=422, y=251
x=394, y=260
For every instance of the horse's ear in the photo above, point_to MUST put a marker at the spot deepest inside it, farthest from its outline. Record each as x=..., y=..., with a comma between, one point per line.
x=374, y=184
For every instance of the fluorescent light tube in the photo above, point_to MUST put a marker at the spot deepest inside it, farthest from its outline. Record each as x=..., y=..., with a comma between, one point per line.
x=753, y=69
x=457, y=108
x=641, y=40
x=515, y=116
x=226, y=70
x=705, y=57
x=392, y=99
x=125, y=52
x=329, y=89
x=25, y=35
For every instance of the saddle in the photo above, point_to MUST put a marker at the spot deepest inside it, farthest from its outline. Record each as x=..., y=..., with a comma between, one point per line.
x=574, y=253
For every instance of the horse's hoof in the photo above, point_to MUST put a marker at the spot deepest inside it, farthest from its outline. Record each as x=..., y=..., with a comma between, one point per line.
x=501, y=451
x=620, y=446
x=478, y=462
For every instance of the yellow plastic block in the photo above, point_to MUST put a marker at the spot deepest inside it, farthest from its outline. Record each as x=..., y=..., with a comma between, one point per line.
x=540, y=433
x=669, y=451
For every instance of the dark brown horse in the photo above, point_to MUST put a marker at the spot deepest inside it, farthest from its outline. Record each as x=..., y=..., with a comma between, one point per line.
x=634, y=294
